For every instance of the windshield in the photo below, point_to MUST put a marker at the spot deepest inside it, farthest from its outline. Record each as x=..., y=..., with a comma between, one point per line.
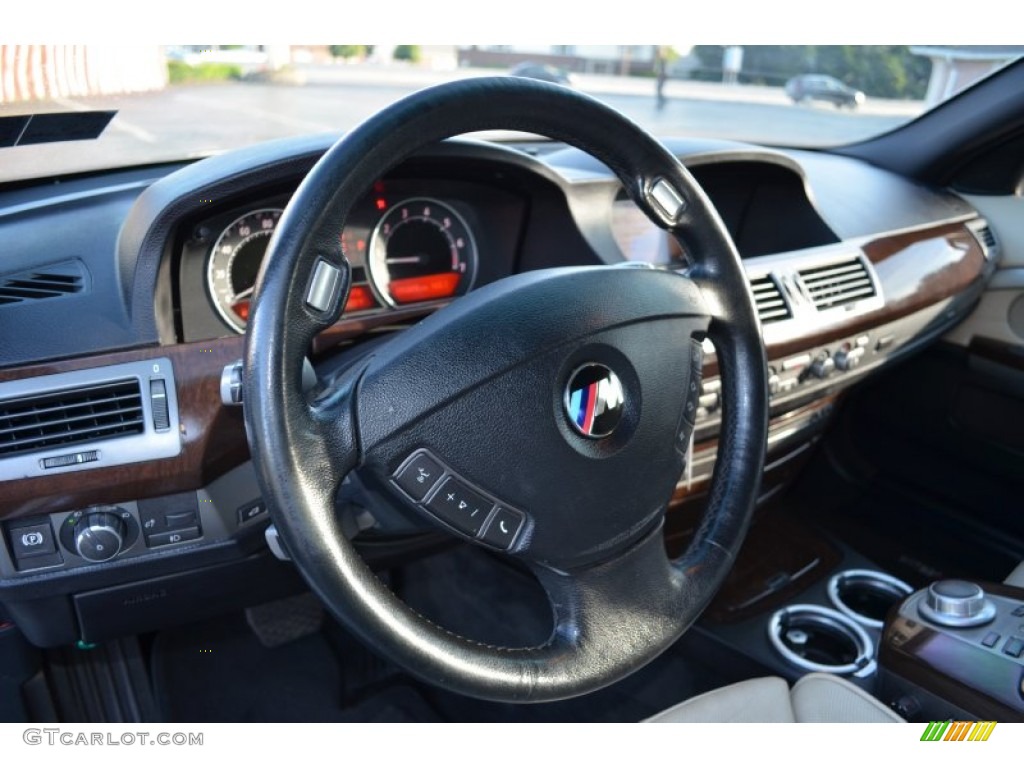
x=187, y=101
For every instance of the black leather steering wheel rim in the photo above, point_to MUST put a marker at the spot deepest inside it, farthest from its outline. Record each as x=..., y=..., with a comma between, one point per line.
x=617, y=605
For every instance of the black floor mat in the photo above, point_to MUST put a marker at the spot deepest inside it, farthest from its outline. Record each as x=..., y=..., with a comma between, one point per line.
x=217, y=671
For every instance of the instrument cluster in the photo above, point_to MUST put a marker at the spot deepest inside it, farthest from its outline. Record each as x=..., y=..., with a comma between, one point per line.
x=406, y=247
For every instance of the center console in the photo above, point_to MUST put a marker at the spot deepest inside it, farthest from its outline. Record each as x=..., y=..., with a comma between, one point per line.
x=956, y=649
x=798, y=601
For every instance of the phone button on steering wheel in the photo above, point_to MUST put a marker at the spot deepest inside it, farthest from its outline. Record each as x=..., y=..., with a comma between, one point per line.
x=502, y=529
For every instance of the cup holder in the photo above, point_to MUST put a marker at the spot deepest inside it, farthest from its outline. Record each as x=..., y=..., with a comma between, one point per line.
x=866, y=596
x=821, y=639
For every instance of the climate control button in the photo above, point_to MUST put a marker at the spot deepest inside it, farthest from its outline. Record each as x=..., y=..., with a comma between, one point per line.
x=822, y=367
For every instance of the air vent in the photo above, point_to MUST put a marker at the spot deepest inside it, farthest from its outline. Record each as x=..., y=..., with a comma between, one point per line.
x=49, y=282
x=985, y=237
x=985, y=233
x=837, y=284
x=771, y=307
x=70, y=417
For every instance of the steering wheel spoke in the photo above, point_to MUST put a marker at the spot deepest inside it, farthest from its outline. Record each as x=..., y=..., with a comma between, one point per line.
x=619, y=611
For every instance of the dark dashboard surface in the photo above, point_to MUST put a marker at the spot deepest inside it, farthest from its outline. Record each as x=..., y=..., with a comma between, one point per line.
x=144, y=237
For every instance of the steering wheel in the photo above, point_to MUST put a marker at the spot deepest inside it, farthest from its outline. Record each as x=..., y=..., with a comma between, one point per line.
x=546, y=415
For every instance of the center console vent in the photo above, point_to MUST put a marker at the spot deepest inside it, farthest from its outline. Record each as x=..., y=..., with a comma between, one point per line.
x=837, y=284
x=70, y=417
x=771, y=306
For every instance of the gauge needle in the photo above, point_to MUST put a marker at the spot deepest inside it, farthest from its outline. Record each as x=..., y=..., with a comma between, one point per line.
x=244, y=294
x=404, y=259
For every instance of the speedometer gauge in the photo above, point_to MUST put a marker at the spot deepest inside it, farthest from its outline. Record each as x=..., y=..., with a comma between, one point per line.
x=421, y=250
x=235, y=261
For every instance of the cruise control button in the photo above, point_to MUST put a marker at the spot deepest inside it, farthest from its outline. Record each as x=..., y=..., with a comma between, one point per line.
x=504, y=526
x=418, y=476
x=460, y=507
x=32, y=540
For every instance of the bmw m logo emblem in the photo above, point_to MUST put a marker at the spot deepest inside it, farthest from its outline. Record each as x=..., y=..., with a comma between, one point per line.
x=594, y=400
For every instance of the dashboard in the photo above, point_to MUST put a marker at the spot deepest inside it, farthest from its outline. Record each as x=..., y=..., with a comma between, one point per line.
x=127, y=295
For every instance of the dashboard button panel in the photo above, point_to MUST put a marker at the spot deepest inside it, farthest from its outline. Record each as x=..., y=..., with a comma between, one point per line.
x=165, y=514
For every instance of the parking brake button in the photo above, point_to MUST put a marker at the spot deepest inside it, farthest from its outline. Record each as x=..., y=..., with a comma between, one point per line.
x=32, y=540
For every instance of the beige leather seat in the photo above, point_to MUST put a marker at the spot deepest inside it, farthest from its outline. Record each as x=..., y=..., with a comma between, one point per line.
x=1016, y=577
x=815, y=698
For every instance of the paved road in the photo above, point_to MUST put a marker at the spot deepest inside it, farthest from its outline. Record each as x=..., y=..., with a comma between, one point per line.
x=190, y=121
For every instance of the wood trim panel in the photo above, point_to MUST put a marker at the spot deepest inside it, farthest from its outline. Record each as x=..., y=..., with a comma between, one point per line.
x=917, y=269
x=213, y=435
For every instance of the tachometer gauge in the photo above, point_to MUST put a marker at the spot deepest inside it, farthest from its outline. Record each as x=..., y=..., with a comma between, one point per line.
x=421, y=250
x=235, y=261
